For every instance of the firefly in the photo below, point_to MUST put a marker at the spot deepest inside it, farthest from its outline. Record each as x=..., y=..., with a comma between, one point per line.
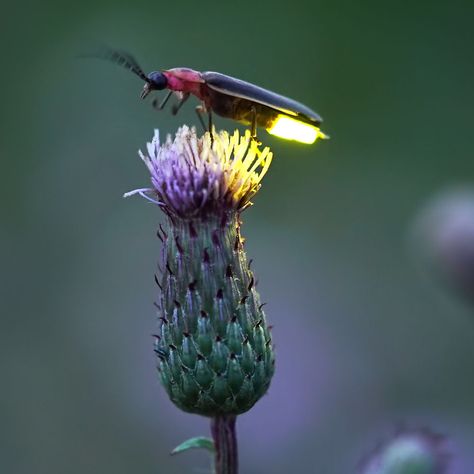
x=228, y=97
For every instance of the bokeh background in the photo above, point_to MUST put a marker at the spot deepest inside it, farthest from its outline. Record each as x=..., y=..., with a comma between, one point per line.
x=369, y=333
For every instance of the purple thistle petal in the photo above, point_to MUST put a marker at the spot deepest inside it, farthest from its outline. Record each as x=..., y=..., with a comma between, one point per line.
x=193, y=177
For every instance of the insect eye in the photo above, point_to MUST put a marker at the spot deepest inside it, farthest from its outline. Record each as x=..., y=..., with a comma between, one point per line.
x=158, y=80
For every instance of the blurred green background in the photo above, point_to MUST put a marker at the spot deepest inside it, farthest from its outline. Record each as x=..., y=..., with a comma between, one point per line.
x=366, y=337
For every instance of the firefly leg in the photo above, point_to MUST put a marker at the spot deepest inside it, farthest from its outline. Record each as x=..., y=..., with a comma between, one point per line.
x=160, y=106
x=253, y=125
x=209, y=124
x=199, y=112
x=177, y=106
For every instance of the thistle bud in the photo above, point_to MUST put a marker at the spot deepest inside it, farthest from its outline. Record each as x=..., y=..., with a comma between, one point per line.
x=444, y=236
x=214, y=347
x=410, y=452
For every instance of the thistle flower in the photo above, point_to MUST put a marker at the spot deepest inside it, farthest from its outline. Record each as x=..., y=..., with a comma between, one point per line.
x=409, y=452
x=200, y=178
x=214, y=347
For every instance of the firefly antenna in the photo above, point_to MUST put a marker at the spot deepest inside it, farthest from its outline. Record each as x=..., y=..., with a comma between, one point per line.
x=125, y=60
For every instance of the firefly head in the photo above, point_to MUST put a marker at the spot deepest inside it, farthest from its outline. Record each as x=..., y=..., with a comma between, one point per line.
x=156, y=80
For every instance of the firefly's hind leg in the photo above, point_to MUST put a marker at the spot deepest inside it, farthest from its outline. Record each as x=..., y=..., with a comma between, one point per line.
x=253, y=125
x=209, y=126
x=161, y=105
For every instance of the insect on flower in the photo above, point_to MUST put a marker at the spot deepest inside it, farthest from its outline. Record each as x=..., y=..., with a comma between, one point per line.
x=230, y=98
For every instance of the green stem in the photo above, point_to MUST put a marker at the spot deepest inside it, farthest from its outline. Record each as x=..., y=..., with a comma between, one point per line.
x=225, y=442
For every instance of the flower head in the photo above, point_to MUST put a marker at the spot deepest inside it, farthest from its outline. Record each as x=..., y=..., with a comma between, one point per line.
x=214, y=347
x=199, y=176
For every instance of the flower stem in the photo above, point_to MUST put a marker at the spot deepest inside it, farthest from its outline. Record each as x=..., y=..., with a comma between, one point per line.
x=225, y=442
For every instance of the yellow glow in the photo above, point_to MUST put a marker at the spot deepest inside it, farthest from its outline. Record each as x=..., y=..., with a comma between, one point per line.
x=291, y=129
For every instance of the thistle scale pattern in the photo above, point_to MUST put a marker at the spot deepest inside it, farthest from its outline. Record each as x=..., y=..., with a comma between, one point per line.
x=214, y=346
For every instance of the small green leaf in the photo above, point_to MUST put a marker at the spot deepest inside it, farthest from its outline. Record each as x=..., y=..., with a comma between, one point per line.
x=194, y=443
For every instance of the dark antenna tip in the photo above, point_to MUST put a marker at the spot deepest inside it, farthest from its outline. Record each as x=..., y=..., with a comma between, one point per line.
x=121, y=58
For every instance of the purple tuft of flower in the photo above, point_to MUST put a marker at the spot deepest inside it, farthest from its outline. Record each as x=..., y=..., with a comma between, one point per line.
x=198, y=176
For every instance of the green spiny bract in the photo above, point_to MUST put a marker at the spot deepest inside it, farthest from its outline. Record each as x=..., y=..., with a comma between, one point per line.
x=214, y=346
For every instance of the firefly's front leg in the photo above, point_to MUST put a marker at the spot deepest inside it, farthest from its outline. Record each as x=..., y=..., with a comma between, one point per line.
x=182, y=100
x=160, y=106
